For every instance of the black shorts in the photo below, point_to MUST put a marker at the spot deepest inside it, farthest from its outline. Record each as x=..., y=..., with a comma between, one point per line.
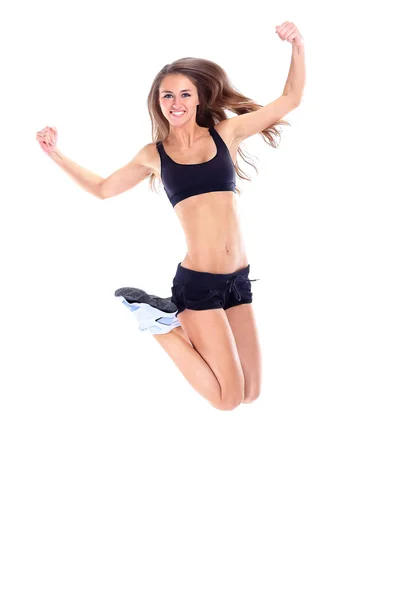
x=198, y=290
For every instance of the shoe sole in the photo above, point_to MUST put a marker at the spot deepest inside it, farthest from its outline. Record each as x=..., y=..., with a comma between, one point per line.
x=153, y=314
x=133, y=295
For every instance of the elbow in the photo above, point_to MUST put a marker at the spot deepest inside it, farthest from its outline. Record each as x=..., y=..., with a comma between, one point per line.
x=297, y=100
x=100, y=191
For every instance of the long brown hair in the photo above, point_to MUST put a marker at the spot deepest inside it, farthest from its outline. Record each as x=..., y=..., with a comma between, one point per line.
x=216, y=94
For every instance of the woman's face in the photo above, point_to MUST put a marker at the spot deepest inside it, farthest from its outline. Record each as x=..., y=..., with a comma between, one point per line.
x=178, y=93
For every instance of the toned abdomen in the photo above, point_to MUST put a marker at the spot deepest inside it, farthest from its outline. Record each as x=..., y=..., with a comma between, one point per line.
x=213, y=235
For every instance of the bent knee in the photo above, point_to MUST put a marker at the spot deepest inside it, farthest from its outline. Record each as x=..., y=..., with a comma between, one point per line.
x=251, y=397
x=228, y=403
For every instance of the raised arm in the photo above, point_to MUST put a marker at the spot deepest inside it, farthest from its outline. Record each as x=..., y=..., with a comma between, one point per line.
x=128, y=176
x=246, y=125
x=122, y=180
x=87, y=180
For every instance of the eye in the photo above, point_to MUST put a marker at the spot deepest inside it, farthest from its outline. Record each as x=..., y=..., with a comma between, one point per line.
x=184, y=94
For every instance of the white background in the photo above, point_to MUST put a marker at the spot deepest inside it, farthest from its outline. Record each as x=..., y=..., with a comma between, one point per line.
x=118, y=480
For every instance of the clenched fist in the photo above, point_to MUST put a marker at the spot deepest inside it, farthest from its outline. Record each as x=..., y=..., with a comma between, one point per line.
x=289, y=32
x=47, y=138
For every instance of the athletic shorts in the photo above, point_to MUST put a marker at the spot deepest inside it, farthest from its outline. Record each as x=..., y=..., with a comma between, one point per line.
x=198, y=290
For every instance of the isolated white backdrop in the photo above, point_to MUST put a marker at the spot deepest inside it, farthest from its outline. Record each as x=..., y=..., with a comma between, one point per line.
x=118, y=480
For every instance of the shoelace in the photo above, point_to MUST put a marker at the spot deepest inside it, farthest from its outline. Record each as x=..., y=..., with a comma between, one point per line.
x=233, y=286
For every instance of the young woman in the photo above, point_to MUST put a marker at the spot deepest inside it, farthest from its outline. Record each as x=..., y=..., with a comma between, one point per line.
x=208, y=326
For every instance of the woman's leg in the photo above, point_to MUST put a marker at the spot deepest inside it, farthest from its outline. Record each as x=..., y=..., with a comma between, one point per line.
x=182, y=333
x=208, y=327
x=191, y=364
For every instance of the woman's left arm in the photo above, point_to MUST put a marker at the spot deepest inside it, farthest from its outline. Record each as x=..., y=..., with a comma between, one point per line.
x=295, y=82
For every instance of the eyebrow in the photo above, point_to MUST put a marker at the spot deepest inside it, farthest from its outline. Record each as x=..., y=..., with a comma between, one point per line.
x=163, y=91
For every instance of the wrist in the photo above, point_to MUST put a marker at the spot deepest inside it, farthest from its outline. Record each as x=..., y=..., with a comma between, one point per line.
x=299, y=47
x=55, y=154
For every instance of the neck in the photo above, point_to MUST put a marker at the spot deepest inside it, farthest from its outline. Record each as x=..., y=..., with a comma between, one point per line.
x=185, y=135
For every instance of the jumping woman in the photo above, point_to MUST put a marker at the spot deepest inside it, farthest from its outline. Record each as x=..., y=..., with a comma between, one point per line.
x=207, y=326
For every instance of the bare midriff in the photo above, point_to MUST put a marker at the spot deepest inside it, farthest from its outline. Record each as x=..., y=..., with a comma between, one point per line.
x=209, y=221
x=211, y=226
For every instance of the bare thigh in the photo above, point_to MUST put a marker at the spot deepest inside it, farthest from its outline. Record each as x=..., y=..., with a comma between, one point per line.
x=212, y=337
x=243, y=324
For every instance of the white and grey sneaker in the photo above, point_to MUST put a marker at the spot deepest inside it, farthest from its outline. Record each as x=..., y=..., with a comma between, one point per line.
x=154, y=314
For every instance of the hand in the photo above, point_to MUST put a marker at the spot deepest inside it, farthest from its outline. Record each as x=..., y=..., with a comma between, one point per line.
x=288, y=31
x=47, y=138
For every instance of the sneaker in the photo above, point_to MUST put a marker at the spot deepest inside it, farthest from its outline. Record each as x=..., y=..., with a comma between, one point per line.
x=154, y=314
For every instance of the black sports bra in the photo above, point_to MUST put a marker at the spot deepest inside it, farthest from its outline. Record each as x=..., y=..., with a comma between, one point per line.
x=215, y=175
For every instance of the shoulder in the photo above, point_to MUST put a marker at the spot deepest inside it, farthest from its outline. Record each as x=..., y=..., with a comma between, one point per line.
x=226, y=131
x=151, y=158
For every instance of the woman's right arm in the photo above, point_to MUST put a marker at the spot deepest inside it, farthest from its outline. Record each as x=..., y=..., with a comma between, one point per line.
x=122, y=180
x=128, y=176
x=87, y=180
x=117, y=183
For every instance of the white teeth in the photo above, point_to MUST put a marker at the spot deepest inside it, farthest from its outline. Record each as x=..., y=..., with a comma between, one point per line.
x=178, y=114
